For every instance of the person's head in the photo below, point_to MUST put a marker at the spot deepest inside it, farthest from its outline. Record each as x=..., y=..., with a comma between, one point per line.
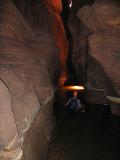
x=75, y=93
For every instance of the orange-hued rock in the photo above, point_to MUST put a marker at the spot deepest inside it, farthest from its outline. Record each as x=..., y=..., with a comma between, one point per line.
x=55, y=9
x=55, y=25
x=54, y=5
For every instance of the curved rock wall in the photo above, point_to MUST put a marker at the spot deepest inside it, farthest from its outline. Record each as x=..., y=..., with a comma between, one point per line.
x=35, y=16
x=28, y=65
x=55, y=9
x=102, y=19
x=99, y=47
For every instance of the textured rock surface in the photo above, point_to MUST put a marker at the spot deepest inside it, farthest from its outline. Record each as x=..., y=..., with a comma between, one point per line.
x=99, y=47
x=36, y=19
x=80, y=34
x=80, y=45
x=28, y=65
x=55, y=9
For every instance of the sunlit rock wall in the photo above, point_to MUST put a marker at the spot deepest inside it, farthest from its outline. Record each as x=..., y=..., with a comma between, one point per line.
x=55, y=9
x=29, y=68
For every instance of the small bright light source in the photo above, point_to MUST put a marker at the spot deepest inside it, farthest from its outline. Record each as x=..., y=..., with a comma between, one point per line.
x=74, y=88
x=70, y=5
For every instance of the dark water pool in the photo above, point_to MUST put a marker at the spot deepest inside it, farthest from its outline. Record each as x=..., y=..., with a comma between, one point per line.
x=93, y=135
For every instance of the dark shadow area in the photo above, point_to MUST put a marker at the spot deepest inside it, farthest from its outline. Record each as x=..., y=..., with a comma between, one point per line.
x=65, y=17
x=93, y=135
x=77, y=4
x=72, y=76
x=31, y=6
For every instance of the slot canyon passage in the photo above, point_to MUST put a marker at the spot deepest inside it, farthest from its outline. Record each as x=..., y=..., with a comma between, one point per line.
x=45, y=44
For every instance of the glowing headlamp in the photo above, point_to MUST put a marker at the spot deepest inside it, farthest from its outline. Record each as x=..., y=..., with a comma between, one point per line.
x=77, y=88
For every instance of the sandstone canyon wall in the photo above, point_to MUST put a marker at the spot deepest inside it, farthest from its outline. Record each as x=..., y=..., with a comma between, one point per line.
x=29, y=69
x=96, y=33
x=55, y=10
x=34, y=15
